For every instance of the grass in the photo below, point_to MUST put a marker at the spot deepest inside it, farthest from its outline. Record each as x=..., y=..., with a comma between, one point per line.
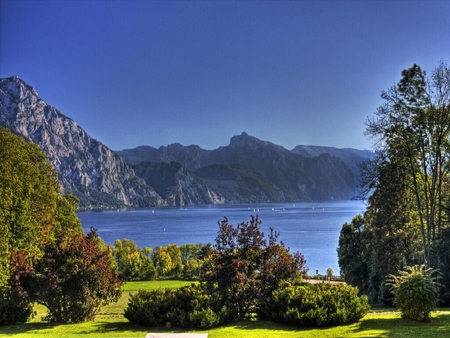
x=111, y=323
x=154, y=285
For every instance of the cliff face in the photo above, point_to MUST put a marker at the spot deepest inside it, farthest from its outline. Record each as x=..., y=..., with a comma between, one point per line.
x=86, y=168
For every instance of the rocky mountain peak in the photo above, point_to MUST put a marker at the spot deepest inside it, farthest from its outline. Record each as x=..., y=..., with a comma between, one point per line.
x=18, y=88
x=245, y=141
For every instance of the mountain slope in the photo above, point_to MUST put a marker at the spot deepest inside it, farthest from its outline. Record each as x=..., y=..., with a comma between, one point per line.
x=294, y=177
x=352, y=157
x=176, y=184
x=192, y=157
x=86, y=168
x=297, y=177
x=239, y=184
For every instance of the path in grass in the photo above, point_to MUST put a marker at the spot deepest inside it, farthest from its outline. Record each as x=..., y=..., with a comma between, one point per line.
x=111, y=323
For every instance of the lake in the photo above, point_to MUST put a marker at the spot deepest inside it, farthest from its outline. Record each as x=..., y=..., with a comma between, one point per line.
x=310, y=228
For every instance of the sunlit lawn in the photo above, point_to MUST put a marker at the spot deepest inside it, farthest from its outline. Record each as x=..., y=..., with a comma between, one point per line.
x=111, y=323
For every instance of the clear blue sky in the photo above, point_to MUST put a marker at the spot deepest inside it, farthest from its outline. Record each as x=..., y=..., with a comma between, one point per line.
x=199, y=72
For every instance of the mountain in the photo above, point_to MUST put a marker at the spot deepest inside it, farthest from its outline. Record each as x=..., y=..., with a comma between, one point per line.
x=86, y=168
x=176, y=184
x=352, y=157
x=298, y=178
x=192, y=157
x=247, y=170
x=292, y=177
x=239, y=184
x=213, y=184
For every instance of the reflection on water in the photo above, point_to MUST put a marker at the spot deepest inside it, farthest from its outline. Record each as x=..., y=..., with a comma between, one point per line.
x=310, y=228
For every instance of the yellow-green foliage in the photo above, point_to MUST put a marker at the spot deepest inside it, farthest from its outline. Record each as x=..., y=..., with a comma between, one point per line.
x=32, y=212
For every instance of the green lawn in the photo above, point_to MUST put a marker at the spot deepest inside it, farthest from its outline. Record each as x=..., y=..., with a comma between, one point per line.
x=111, y=323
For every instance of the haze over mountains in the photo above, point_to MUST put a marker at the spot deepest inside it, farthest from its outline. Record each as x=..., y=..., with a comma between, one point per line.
x=248, y=170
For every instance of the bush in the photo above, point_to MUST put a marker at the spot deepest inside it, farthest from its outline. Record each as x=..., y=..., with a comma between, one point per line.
x=13, y=308
x=204, y=319
x=188, y=306
x=414, y=292
x=323, y=304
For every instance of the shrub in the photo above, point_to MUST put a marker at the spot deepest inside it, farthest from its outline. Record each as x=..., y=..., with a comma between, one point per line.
x=14, y=309
x=204, y=319
x=323, y=304
x=414, y=292
x=188, y=306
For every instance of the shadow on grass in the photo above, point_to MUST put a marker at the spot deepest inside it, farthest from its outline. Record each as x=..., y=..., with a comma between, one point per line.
x=272, y=326
x=438, y=326
x=394, y=326
x=375, y=325
x=88, y=328
x=79, y=328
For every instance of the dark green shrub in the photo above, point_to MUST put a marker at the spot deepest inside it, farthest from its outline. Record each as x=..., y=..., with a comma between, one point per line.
x=204, y=319
x=415, y=292
x=185, y=307
x=323, y=304
x=13, y=308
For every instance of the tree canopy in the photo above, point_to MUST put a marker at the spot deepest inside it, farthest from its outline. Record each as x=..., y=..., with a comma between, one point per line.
x=408, y=181
x=244, y=268
x=37, y=222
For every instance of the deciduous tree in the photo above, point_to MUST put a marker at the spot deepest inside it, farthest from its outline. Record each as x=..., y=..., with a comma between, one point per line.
x=73, y=279
x=243, y=268
x=32, y=212
x=133, y=263
x=412, y=128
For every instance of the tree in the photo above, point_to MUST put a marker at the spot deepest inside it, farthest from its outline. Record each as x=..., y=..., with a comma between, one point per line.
x=412, y=128
x=329, y=273
x=44, y=254
x=442, y=262
x=73, y=279
x=242, y=268
x=167, y=261
x=354, y=254
x=133, y=263
x=190, y=259
x=32, y=212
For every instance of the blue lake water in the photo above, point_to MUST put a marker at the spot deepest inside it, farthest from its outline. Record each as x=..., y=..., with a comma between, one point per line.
x=310, y=228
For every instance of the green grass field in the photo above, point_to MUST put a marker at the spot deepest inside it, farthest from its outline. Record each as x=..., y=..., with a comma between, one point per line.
x=111, y=323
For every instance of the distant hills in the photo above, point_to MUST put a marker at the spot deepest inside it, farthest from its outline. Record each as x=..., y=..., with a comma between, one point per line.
x=248, y=170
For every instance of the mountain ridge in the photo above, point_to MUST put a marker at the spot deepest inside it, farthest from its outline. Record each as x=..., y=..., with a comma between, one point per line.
x=246, y=170
x=285, y=169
